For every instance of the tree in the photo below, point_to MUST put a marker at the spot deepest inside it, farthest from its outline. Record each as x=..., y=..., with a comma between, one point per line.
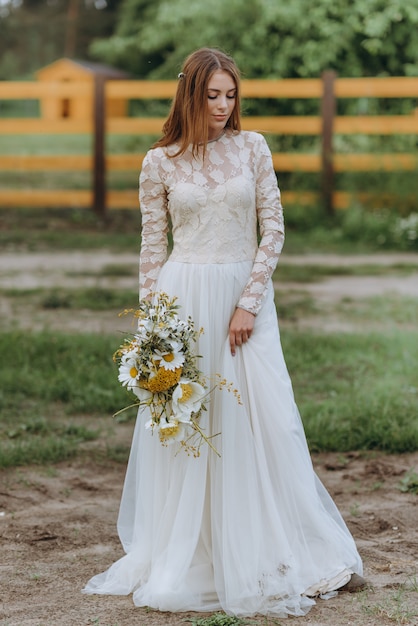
x=34, y=33
x=268, y=38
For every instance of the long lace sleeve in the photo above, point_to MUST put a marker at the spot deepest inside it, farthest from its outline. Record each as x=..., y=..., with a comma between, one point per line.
x=153, y=203
x=271, y=225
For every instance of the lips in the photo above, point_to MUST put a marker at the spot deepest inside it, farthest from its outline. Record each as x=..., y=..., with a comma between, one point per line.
x=220, y=118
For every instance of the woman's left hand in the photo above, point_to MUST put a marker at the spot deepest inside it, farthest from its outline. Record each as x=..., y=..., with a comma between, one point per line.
x=240, y=328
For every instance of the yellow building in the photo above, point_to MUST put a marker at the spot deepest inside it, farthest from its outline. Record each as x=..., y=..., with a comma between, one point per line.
x=80, y=107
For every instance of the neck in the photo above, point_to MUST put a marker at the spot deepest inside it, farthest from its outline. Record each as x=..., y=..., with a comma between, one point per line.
x=217, y=136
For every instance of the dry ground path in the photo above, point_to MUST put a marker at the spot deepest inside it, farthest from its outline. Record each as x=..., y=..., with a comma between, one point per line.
x=71, y=270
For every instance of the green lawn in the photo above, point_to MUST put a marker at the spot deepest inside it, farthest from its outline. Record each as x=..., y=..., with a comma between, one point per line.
x=354, y=391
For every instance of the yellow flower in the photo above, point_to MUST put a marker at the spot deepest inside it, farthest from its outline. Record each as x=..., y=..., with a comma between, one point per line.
x=163, y=380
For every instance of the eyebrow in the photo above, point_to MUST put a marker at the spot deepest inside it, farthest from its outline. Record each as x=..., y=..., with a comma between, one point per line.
x=219, y=90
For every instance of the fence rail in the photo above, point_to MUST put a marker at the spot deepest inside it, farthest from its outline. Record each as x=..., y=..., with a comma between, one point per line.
x=327, y=90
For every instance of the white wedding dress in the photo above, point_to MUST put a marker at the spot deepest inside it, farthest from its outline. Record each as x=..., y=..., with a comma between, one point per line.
x=254, y=531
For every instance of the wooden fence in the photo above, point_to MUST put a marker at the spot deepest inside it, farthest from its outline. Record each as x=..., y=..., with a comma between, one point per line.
x=327, y=89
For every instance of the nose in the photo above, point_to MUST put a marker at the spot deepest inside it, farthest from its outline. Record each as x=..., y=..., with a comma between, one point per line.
x=222, y=103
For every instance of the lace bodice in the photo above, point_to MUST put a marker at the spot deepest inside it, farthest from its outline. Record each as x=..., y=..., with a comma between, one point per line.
x=214, y=206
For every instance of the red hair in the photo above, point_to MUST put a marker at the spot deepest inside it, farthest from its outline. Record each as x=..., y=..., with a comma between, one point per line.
x=187, y=122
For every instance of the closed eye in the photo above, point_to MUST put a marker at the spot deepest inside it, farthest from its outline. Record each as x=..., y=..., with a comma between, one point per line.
x=230, y=97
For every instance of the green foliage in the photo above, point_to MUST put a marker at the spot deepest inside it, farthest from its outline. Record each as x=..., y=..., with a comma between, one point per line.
x=51, y=385
x=287, y=272
x=69, y=229
x=356, y=391
x=393, y=310
x=308, y=229
x=380, y=228
x=409, y=483
x=41, y=441
x=74, y=371
x=352, y=230
x=374, y=227
x=93, y=298
x=34, y=34
x=398, y=606
x=267, y=38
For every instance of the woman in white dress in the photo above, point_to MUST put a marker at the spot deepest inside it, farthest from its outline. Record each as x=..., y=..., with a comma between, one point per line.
x=252, y=531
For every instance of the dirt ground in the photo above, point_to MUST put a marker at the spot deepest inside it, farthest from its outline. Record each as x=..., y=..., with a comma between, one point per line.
x=57, y=524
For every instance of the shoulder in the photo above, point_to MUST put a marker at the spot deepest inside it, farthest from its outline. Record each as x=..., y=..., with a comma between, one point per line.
x=154, y=156
x=257, y=151
x=252, y=140
x=156, y=164
x=252, y=136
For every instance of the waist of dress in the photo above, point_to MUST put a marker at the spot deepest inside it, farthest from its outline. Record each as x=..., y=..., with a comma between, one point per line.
x=206, y=254
x=206, y=258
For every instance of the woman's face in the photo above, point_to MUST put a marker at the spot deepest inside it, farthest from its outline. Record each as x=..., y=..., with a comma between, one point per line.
x=221, y=101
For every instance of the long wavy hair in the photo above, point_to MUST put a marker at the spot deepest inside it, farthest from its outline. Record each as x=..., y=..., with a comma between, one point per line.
x=187, y=122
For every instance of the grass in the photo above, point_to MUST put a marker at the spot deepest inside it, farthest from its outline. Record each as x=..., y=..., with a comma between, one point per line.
x=94, y=298
x=48, y=384
x=110, y=270
x=354, y=391
x=395, y=309
x=50, y=443
x=409, y=483
x=385, y=313
x=76, y=371
x=295, y=305
x=91, y=298
x=287, y=272
x=352, y=231
x=36, y=230
x=399, y=606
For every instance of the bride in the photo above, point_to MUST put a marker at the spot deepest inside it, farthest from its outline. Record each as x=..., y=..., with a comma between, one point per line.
x=252, y=531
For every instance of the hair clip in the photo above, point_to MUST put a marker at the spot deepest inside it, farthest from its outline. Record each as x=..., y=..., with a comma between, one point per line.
x=181, y=75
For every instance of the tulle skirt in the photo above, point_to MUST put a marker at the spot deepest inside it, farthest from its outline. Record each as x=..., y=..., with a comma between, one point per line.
x=252, y=531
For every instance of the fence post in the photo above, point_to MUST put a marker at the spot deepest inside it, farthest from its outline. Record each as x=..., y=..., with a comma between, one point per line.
x=328, y=108
x=99, y=164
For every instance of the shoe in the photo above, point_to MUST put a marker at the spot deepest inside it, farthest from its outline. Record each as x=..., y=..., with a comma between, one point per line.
x=356, y=583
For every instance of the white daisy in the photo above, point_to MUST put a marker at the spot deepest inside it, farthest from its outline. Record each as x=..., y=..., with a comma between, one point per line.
x=128, y=373
x=176, y=346
x=162, y=331
x=129, y=357
x=145, y=326
x=143, y=395
x=187, y=398
x=170, y=360
x=141, y=335
x=172, y=430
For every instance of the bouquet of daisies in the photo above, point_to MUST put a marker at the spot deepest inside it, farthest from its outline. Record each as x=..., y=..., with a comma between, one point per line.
x=158, y=365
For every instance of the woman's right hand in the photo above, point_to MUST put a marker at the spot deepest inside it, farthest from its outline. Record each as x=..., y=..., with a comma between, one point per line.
x=240, y=328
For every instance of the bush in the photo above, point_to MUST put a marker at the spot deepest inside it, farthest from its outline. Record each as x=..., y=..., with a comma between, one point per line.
x=356, y=229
